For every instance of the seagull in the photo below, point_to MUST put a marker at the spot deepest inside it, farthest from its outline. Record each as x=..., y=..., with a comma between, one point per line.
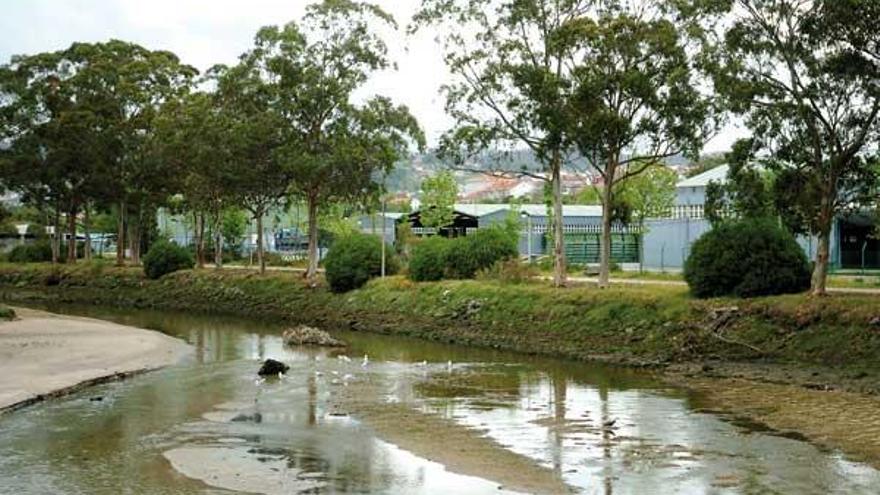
x=259, y=381
x=348, y=376
x=318, y=373
x=343, y=357
x=422, y=364
x=365, y=362
x=449, y=366
x=280, y=375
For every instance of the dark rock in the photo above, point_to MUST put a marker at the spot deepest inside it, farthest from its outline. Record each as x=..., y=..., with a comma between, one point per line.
x=248, y=418
x=305, y=335
x=96, y=399
x=272, y=367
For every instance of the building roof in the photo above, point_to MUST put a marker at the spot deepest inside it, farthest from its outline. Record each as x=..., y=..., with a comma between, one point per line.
x=717, y=174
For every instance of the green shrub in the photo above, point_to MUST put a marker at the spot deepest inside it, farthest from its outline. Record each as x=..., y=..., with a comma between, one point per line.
x=6, y=313
x=427, y=261
x=746, y=259
x=354, y=259
x=36, y=252
x=480, y=250
x=166, y=257
x=509, y=271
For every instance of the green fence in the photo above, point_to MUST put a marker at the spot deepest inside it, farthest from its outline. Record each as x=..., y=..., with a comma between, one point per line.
x=584, y=248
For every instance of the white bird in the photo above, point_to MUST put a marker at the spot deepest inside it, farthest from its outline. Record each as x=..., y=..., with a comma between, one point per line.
x=280, y=375
x=318, y=373
x=343, y=357
x=259, y=381
x=348, y=376
x=366, y=361
x=422, y=364
x=449, y=366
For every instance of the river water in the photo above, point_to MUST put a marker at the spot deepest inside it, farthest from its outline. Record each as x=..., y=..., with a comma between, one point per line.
x=416, y=418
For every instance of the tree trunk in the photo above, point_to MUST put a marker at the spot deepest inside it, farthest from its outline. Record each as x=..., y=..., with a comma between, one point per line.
x=261, y=259
x=87, y=228
x=823, y=252
x=312, y=271
x=71, y=232
x=120, y=235
x=218, y=245
x=200, y=239
x=134, y=240
x=605, y=240
x=560, y=275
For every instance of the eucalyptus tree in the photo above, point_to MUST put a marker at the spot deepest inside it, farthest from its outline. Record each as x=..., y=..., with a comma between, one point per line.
x=254, y=121
x=53, y=134
x=804, y=74
x=192, y=136
x=132, y=83
x=636, y=96
x=511, y=89
x=332, y=147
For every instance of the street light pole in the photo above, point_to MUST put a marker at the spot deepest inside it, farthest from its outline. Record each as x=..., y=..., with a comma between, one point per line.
x=384, y=227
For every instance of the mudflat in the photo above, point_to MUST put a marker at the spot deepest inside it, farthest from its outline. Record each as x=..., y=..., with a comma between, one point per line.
x=44, y=354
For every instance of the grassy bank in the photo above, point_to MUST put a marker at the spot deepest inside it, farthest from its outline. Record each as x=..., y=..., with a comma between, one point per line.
x=649, y=325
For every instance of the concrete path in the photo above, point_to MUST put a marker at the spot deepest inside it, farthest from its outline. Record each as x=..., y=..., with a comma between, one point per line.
x=44, y=355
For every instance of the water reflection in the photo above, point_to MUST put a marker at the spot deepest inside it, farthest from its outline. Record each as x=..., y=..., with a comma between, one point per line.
x=333, y=426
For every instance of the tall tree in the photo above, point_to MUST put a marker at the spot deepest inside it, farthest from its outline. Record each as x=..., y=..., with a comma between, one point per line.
x=804, y=75
x=438, y=198
x=513, y=82
x=255, y=107
x=332, y=147
x=636, y=97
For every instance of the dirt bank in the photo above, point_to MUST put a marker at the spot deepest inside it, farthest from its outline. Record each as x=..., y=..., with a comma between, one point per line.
x=45, y=355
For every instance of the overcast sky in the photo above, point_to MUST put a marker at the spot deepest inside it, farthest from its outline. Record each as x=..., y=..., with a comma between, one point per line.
x=204, y=33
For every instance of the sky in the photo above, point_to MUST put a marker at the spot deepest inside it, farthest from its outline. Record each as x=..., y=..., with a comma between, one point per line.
x=204, y=33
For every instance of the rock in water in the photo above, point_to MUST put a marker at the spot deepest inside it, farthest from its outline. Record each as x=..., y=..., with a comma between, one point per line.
x=305, y=335
x=272, y=367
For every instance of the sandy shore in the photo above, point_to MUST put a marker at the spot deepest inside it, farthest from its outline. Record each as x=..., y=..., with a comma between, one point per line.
x=45, y=355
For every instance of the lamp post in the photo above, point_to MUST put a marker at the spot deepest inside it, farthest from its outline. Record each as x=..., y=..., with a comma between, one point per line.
x=528, y=219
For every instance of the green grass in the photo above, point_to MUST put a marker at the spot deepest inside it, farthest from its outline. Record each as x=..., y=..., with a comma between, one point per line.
x=628, y=324
x=6, y=313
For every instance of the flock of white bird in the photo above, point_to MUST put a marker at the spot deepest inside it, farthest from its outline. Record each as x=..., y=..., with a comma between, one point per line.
x=348, y=376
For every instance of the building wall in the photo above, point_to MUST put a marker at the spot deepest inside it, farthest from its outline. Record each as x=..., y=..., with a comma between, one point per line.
x=690, y=196
x=667, y=242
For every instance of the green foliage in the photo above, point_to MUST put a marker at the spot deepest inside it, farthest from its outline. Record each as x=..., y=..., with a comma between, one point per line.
x=6, y=313
x=427, y=261
x=355, y=259
x=480, y=250
x=508, y=271
x=747, y=259
x=650, y=194
x=438, y=197
x=37, y=252
x=166, y=257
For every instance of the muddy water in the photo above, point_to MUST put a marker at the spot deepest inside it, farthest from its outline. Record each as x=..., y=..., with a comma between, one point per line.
x=416, y=418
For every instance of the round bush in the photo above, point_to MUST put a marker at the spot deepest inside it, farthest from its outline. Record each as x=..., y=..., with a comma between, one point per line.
x=480, y=250
x=427, y=262
x=354, y=259
x=37, y=252
x=166, y=257
x=747, y=259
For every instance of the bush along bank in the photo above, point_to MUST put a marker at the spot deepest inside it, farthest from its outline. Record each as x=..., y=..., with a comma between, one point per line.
x=629, y=325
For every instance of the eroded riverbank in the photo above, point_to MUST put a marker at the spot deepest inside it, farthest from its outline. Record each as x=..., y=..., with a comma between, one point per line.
x=490, y=419
x=44, y=355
